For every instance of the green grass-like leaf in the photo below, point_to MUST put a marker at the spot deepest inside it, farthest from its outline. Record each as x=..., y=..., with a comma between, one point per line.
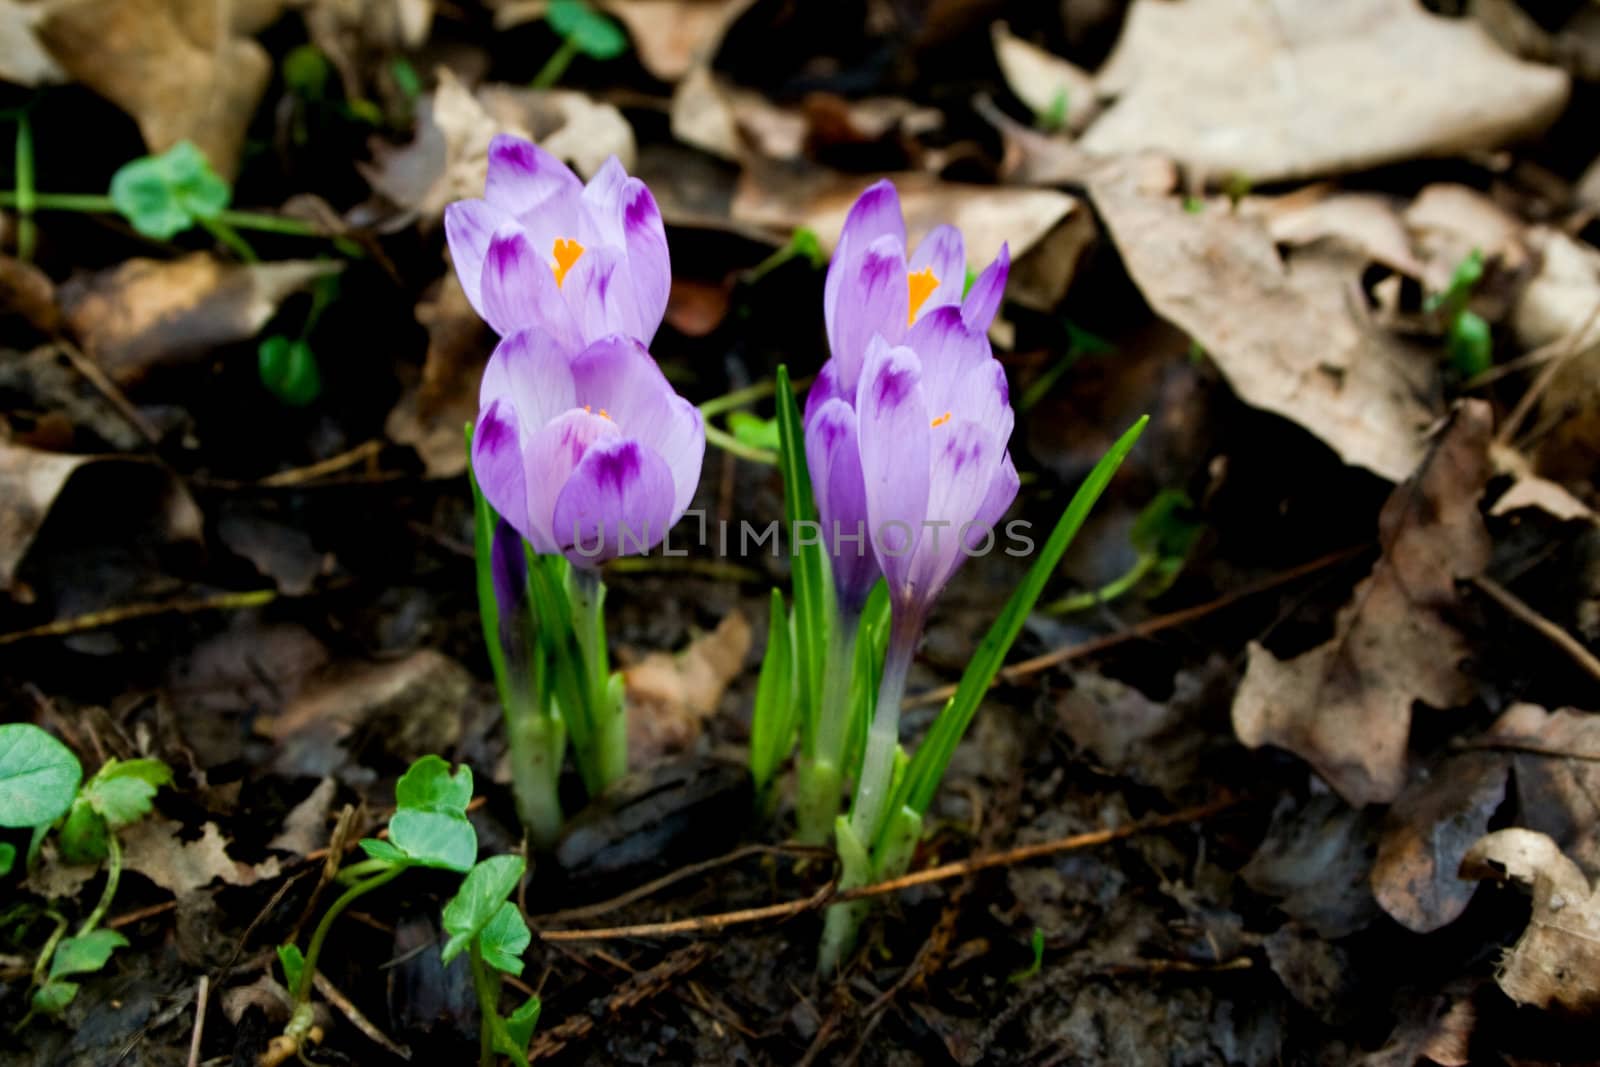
x=39, y=776
x=812, y=582
x=772, y=724
x=921, y=780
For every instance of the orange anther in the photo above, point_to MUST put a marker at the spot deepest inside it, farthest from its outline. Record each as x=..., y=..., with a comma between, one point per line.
x=940, y=421
x=566, y=252
x=921, y=286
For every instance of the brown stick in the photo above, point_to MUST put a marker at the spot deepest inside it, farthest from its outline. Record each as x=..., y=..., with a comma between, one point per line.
x=1556, y=635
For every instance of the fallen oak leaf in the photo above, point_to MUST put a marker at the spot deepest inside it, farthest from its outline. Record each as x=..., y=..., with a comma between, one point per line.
x=1344, y=706
x=1556, y=756
x=429, y=415
x=669, y=695
x=155, y=848
x=1556, y=961
x=1044, y=81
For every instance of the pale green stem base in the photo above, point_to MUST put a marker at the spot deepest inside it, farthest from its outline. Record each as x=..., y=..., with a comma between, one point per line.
x=537, y=742
x=883, y=736
x=822, y=773
x=607, y=758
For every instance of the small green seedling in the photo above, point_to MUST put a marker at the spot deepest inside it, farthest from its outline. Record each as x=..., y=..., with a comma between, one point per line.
x=583, y=31
x=1054, y=118
x=1032, y=969
x=288, y=369
x=1468, y=339
x=428, y=829
x=803, y=244
x=753, y=430
x=39, y=788
x=1163, y=536
x=164, y=195
x=485, y=924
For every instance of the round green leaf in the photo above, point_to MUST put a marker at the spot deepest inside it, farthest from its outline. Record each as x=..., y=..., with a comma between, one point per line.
x=164, y=195
x=592, y=33
x=39, y=776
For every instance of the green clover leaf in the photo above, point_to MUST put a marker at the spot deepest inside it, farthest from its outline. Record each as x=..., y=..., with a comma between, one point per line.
x=163, y=195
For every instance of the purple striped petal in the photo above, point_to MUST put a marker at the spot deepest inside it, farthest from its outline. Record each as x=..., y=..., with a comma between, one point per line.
x=960, y=374
x=617, y=375
x=825, y=388
x=1002, y=491
x=523, y=176
x=497, y=464
x=469, y=226
x=983, y=299
x=833, y=455
x=942, y=252
x=894, y=433
x=601, y=295
x=964, y=463
x=645, y=238
x=618, y=500
x=520, y=291
x=602, y=202
x=551, y=457
x=873, y=304
x=532, y=372
x=876, y=213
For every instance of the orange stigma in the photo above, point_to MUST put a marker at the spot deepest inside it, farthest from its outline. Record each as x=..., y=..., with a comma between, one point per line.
x=588, y=409
x=921, y=284
x=940, y=421
x=604, y=414
x=567, y=252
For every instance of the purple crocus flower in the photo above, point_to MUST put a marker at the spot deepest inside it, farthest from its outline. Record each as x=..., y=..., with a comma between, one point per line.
x=542, y=249
x=592, y=455
x=873, y=289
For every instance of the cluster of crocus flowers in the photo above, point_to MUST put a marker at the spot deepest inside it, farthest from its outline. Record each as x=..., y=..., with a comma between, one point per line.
x=906, y=430
x=580, y=446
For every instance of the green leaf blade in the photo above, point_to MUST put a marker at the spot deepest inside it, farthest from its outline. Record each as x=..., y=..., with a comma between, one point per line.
x=39, y=776
x=429, y=785
x=482, y=892
x=504, y=939
x=293, y=963
x=85, y=954
x=442, y=839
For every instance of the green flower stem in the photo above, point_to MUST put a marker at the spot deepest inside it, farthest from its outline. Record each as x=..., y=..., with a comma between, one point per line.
x=491, y=1026
x=1113, y=589
x=41, y=965
x=817, y=792
x=737, y=399
x=883, y=736
x=729, y=443
x=537, y=741
x=94, y=204
x=27, y=229
x=113, y=877
x=556, y=65
x=227, y=235
x=608, y=755
x=302, y=992
x=357, y=871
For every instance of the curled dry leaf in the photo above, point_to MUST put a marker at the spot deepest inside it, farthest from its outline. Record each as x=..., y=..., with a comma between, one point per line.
x=1367, y=223
x=179, y=68
x=148, y=313
x=1556, y=962
x=1556, y=755
x=429, y=415
x=1345, y=705
x=23, y=59
x=31, y=481
x=1416, y=876
x=1449, y=222
x=1285, y=333
x=1044, y=81
x=1560, y=307
x=1529, y=490
x=448, y=159
x=670, y=695
x=156, y=848
x=1307, y=89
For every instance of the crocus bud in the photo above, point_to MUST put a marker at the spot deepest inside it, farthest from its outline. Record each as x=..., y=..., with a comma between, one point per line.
x=542, y=249
x=593, y=456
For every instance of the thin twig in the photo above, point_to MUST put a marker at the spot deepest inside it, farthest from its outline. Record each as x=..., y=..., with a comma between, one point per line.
x=91, y=372
x=828, y=893
x=1573, y=344
x=360, y=1021
x=300, y=475
x=1149, y=627
x=1555, y=634
x=200, y=1000
x=96, y=620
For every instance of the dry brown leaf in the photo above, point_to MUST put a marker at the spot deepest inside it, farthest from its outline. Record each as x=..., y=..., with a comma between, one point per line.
x=670, y=695
x=23, y=59
x=31, y=481
x=1040, y=78
x=1450, y=222
x=1364, y=222
x=176, y=66
x=702, y=115
x=1345, y=705
x=1529, y=490
x=1416, y=876
x=1286, y=334
x=1556, y=962
x=1304, y=88
x=305, y=828
x=429, y=416
x=1556, y=755
x=156, y=848
x=448, y=159
x=148, y=313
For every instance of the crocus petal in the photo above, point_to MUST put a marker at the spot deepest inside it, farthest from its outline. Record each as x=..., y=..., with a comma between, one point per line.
x=983, y=299
x=893, y=430
x=1002, y=491
x=550, y=457
x=645, y=237
x=519, y=289
x=523, y=176
x=532, y=372
x=508, y=568
x=601, y=295
x=617, y=375
x=619, y=498
x=834, y=458
x=876, y=213
x=960, y=374
x=874, y=303
x=825, y=388
x=942, y=252
x=602, y=202
x=964, y=463
x=497, y=464
x=469, y=226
